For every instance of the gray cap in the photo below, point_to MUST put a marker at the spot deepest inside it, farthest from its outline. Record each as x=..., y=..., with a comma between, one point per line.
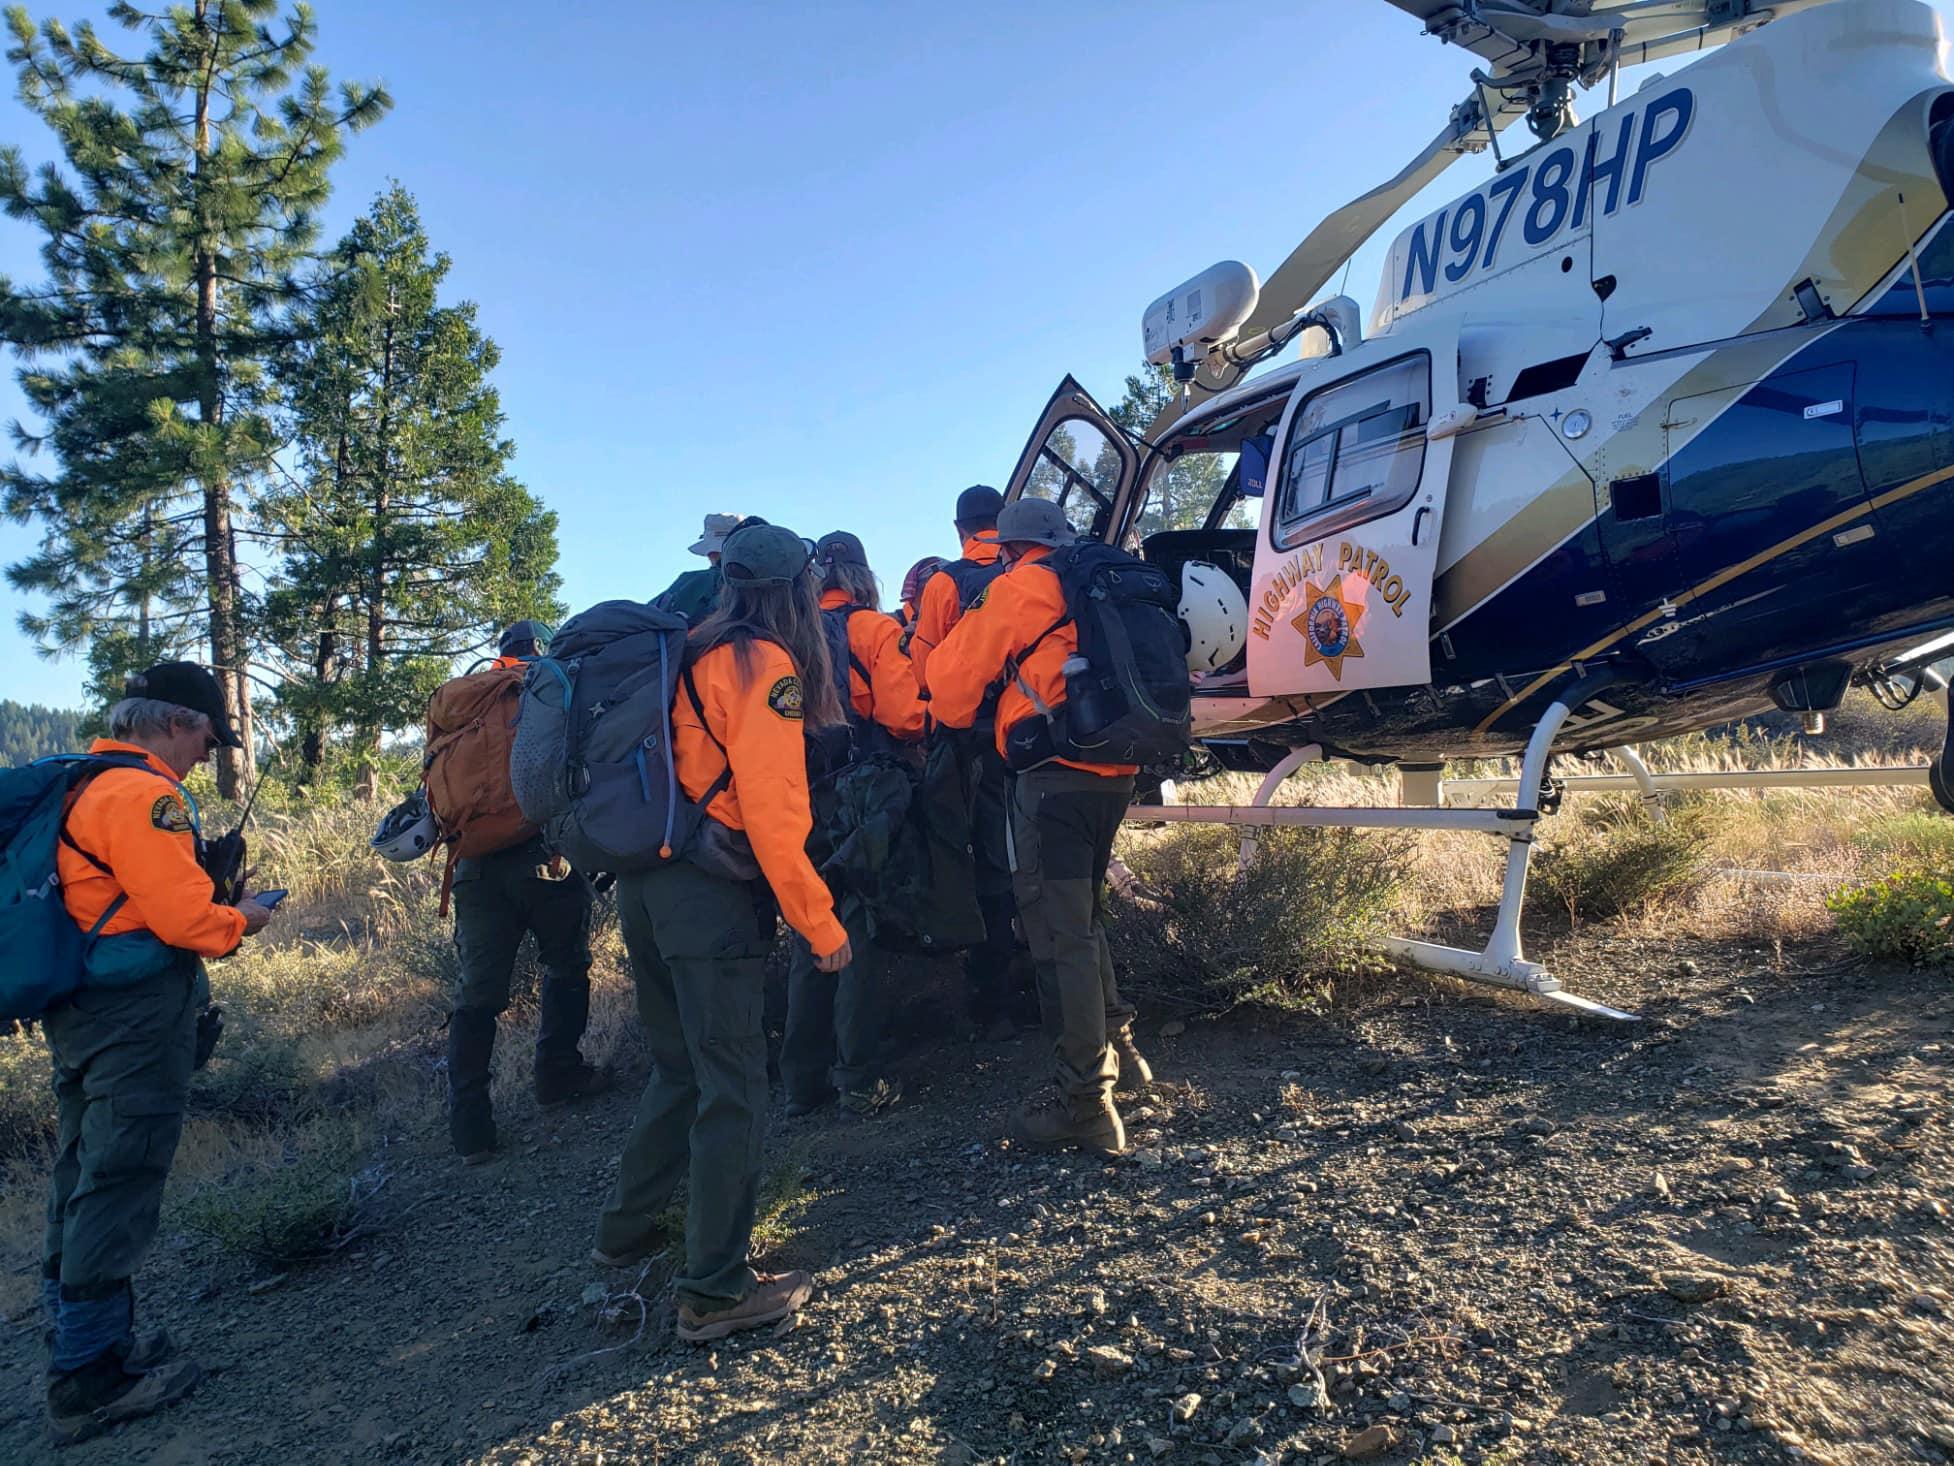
x=1032, y=522
x=764, y=554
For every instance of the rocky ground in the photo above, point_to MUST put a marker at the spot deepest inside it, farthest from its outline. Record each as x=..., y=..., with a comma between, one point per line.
x=1440, y=1225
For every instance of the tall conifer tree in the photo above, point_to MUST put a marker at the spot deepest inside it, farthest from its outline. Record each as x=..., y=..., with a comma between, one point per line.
x=193, y=177
x=408, y=541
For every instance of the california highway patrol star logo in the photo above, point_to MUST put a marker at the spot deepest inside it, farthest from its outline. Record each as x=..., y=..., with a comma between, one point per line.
x=1329, y=626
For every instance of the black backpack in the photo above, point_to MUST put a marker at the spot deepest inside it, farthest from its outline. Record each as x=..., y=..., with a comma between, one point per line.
x=970, y=577
x=591, y=761
x=1126, y=691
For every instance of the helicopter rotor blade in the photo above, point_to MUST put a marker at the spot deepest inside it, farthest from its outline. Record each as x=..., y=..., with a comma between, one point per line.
x=1311, y=264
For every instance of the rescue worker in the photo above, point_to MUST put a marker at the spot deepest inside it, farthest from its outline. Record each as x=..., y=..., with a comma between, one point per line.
x=912, y=595
x=125, y=1044
x=522, y=642
x=835, y=1020
x=696, y=592
x=945, y=597
x=500, y=897
x=699, y=928
x=1064, y=816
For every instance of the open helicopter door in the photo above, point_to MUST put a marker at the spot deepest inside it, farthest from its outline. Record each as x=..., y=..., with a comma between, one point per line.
x=1077, y=458
x=1343, y=567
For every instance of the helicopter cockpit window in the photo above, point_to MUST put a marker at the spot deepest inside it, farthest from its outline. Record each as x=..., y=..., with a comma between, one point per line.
x=1214, y=482
x=1079, y=470
x=1356, y=450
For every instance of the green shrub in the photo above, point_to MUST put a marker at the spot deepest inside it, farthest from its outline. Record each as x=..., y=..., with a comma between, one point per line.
x=1611, y=858
x=1308, y=911
x=1908, y=915
x=303, y=1200
x=1919, y=838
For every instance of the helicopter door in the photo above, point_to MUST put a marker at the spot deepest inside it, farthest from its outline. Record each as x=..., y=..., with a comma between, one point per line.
x=1078, y=459
x=1344, y=562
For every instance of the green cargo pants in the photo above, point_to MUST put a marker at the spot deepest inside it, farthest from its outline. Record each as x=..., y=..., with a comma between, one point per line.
x=1062, y=826
x=834, y=1019
x=122, y=1062
x=698, y=946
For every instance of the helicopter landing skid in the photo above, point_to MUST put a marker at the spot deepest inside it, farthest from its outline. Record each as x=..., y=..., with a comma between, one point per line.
x=1502, y=963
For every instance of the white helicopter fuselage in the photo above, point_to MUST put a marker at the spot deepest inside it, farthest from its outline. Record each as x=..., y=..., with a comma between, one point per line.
x=1671, y=394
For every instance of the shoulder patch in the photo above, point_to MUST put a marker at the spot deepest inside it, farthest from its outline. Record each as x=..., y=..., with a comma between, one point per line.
x=784, y=697
x=168, y=813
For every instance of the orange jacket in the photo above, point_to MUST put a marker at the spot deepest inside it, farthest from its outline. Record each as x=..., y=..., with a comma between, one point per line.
x=503, y=664
x=889, y=694
x=757, y=719
x=938, y=610
x=1018, y=608
x=136, y=823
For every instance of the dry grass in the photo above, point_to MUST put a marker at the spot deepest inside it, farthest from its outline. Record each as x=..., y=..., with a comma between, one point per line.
x=334, y=1021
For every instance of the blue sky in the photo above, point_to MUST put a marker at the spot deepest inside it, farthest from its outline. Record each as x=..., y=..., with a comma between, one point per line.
x=826, y=262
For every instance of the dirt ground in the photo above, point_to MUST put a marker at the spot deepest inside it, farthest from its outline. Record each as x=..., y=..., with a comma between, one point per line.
x=1439, y=1225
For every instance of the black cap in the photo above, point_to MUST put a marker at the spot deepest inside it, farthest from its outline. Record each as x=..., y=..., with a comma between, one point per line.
x=980, y=503
x=840, y=548
x=531, y=634
x=187, y=686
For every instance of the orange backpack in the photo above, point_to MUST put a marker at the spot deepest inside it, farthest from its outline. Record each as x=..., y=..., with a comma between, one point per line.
x=471, y=722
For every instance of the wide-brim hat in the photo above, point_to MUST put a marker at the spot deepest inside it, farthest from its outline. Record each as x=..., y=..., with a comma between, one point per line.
x=1032, y=522
x=713, y=541
x=187, y=685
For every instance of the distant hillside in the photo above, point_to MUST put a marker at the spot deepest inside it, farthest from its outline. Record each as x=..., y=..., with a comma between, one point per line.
x=29, y=731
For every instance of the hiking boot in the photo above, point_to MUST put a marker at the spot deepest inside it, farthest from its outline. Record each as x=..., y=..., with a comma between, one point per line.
x=774, y=1296
x=472, y=1129
x=556, y=1087
x=656, y=1238
x=1056, y=1121
x=1134, y=1072
x=999, y=1030
x=802, y=1104
x=879, y=1096
x=82, y=1403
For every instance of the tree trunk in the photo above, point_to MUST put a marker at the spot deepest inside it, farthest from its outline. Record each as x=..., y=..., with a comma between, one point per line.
x=227, y=652
x=376, y=600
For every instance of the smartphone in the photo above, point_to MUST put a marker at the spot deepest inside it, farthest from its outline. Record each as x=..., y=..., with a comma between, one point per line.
x=269, y=899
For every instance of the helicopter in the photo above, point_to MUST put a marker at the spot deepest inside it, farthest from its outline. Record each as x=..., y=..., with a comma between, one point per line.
x=1651, y=431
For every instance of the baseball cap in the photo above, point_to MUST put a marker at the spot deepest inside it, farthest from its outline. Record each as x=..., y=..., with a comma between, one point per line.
x=979, y=501
x=523, y=633
x=764, y=554
x=1032, y=521
x=840, y=548
x=713, y=541
x=186, y=685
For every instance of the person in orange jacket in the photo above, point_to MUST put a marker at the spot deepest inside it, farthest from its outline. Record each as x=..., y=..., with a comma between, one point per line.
x=835, y=1020
x=1064, y=816
x=911, y=599
x=521, y=643
x=125, y=1044
x=698, y=929
x=946, y=596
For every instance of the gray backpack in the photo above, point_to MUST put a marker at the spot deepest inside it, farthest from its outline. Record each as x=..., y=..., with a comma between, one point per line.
x=592, y=758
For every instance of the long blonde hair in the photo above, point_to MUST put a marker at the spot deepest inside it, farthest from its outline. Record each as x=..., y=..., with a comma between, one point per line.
x=789, y=616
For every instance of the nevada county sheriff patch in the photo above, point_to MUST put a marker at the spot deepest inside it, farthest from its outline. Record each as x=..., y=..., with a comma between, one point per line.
x=168, y=813
x=784, y=697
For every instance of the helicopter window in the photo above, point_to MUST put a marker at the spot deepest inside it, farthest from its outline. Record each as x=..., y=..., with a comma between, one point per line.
x=1359, y=443
x=1078, y=469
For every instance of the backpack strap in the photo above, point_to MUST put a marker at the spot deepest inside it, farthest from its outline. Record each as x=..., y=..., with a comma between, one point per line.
x=725, y=779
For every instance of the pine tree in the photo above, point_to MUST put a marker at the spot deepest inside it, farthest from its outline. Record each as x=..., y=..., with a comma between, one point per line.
x=407, y=539
x=193, y=178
